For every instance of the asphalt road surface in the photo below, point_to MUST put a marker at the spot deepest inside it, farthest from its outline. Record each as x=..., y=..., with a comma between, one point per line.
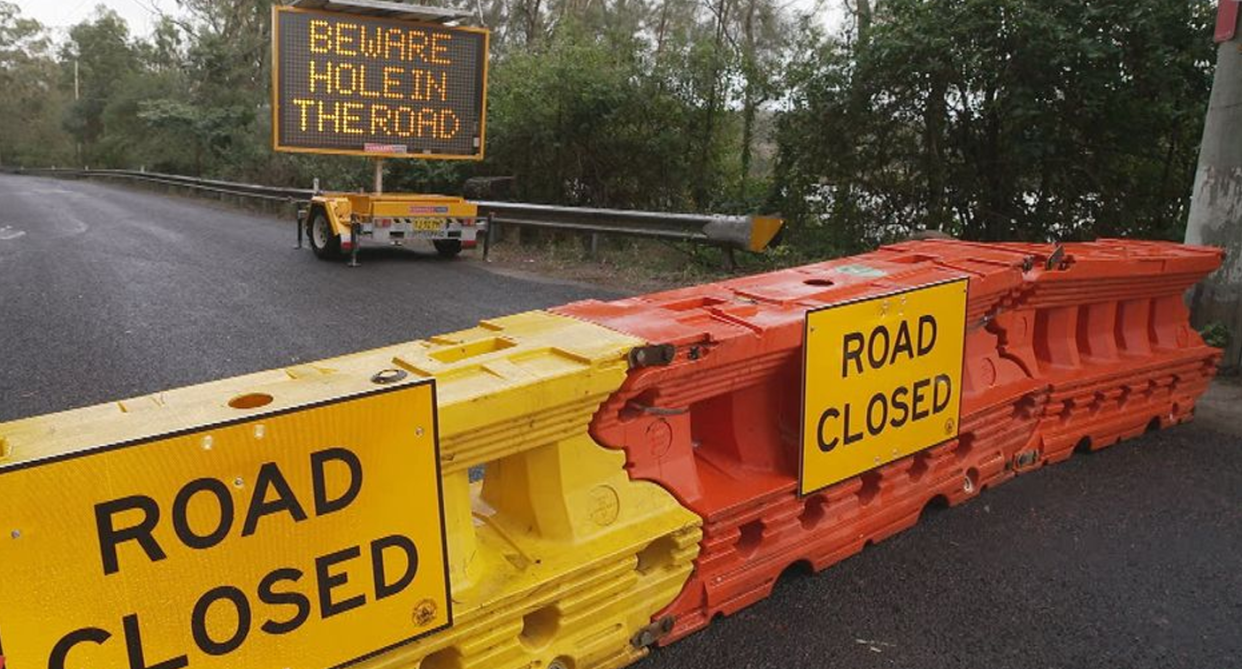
x=110, y=292
x=1131, y=557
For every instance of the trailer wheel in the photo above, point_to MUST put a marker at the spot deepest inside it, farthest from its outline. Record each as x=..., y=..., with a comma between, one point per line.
x=325, y=243
x=448, y=248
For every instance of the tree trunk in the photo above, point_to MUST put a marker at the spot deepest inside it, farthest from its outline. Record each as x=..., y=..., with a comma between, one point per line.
x=933, y=150
x=532, y=9
x=713, y=101
x=995, y=201
x=862, y=20
x=663, y=27
x=749, y=102
x=1216, y=206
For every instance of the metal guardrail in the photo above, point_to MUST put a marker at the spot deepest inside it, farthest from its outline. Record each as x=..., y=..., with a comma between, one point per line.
x=724, y=231
x=271, y=193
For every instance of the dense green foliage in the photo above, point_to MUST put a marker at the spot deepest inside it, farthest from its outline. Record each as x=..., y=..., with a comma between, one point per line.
x=1001, y=119
x=989, y=119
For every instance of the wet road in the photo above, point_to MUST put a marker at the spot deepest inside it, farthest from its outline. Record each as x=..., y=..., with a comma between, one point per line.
x=112, y=292
x=1131, y=557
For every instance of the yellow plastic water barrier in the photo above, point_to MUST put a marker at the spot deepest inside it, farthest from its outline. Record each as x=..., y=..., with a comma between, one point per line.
x=555, y=558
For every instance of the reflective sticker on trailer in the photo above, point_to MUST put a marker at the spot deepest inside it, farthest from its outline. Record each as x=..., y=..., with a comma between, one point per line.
x=882, y=379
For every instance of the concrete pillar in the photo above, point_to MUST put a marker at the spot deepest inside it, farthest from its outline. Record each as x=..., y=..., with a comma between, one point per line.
x=1216, y=208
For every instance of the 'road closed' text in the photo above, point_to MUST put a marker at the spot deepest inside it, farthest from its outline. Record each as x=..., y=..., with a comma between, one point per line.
x=882, y=380
x=303, y=539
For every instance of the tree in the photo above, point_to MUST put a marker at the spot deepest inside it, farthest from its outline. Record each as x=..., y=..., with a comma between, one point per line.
x=95, y=60
x=31, y=103
x=989, y=119
x=1003, y=119
x=581, y=123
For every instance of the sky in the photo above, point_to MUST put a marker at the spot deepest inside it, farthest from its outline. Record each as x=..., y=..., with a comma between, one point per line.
x=141, y=15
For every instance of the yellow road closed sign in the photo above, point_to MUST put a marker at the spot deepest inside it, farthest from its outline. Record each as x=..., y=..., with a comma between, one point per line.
x=882, y=379
x=304, y=538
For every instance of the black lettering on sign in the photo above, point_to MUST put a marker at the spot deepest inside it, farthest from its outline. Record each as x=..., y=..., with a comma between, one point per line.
x=900, y=404
x=882, y=348
x=319, y=461
x=222, y=619
x=198, y=620
x=181, y=521
x=941, y=403
x=384, y=588
x=60, y=652
x=903, y=343
x=851, y=437
x=133, y=647
x=329, y=582
x=113, y=531
x=852, y=349
x=876, y=426
x=880, y=380
x=904, y=405
x=927, y=334
x=878, y=356
x=110, y=537
x=270, y=477
x=300, y=603
x=919, y=387
x=831, y=412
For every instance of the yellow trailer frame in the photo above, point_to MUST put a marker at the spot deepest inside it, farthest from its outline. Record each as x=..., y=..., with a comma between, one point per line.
x=338, y=224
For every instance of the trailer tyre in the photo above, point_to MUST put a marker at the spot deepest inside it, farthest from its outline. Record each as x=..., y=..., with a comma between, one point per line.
x=448, y=248
x=325, y=243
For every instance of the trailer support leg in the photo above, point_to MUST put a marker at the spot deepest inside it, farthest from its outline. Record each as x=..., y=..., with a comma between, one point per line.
x=355, y=231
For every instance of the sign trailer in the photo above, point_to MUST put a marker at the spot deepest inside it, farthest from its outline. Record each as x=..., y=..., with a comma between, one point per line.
x=386, y=80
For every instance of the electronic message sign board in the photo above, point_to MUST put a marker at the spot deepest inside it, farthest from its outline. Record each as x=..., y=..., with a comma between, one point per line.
x=365, y=85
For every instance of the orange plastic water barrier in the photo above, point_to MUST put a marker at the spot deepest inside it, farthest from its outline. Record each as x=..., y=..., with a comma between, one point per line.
x=1065, y=345
x=1107, y=328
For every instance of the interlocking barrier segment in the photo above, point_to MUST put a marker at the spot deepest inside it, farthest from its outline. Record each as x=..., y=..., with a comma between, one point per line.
x=1108, y=330
x=719, y=424
x=609, y=475
x=555, y=555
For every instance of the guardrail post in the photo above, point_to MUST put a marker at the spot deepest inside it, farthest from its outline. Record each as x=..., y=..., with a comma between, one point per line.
x=590, y=243
x=297, y=222
x=487, y=241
